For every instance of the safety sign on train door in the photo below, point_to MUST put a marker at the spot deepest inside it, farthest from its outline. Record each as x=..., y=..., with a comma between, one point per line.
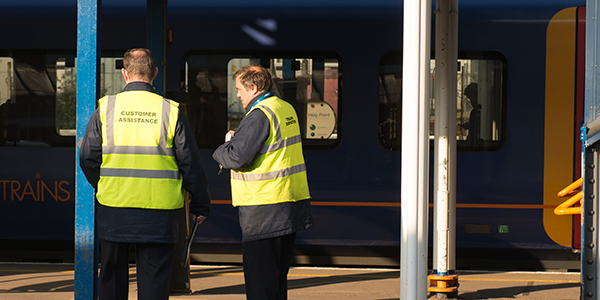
x=320, y=120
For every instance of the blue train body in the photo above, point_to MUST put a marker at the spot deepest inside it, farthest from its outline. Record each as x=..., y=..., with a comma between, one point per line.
x=354, y=180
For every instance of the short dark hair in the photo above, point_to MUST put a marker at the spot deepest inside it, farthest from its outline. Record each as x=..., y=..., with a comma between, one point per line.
x=471, y=92
x=139, y=62
x=254, y=75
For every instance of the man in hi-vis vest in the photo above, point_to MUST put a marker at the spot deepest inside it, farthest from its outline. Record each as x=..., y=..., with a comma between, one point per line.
x=268, y=183
x=139, y=153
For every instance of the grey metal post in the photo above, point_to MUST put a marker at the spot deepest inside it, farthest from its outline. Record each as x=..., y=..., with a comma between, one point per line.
x=589, y=258
x=591, y=136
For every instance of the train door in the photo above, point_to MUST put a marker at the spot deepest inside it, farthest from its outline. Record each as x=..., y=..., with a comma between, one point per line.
x=565, y=54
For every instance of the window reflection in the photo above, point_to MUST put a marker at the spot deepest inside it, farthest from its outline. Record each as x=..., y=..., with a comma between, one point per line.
x=481, y=92
x=7, y=90
x=28, y=100
x=310, y=83
x=111, y=82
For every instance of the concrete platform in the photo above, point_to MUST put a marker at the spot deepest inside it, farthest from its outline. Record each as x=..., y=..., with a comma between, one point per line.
x=55, y=281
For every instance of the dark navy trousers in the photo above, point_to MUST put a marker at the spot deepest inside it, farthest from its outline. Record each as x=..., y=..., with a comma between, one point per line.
x=266, y=265
x=154, y=262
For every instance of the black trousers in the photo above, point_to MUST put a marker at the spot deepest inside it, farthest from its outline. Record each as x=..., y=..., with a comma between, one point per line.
x=153, y=262
x=266, y=265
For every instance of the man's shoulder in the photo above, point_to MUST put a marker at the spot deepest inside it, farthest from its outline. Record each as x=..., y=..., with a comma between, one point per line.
x=103, y=98
x=276, y=101
x=172, y=102
x=145, y=95
x=255, y=115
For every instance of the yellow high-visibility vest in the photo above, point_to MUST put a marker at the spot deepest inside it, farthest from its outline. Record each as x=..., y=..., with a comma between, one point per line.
x=278, y=173
x=139, y=169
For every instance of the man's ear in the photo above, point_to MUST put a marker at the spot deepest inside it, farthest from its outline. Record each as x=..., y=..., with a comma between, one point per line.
x=155, y=73
x=125, y=76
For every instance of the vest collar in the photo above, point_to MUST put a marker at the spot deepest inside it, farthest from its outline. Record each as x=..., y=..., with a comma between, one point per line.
x=139, y=86
x=254, y=101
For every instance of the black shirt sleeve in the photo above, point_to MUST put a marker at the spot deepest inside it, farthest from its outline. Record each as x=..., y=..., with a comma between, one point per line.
x=90, y=152
x=242, y=149
x=190, y=166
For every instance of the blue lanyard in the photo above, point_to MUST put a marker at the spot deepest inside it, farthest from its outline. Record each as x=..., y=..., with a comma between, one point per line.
x=265, y=96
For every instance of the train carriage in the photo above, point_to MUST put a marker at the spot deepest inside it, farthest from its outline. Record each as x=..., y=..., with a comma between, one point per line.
x=339, y=63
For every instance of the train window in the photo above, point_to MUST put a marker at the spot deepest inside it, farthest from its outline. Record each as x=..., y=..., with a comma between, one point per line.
x=7, y=95
x=481, y=98
x=111, y=82
x=309, y=81
x=28, y=100
x=7, y=89
x=37, y=99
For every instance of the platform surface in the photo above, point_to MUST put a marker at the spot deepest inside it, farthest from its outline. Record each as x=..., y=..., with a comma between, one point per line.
x=19, y=281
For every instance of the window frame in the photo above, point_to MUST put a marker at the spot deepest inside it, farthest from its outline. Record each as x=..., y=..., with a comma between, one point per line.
x=462, y=145
x=265, y=56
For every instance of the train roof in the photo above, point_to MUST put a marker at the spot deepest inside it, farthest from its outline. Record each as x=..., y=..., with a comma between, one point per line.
x=134, y=10
x=289, y=3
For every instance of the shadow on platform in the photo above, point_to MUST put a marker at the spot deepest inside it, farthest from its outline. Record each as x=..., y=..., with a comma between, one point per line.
x=298, y=283
x=514, y=292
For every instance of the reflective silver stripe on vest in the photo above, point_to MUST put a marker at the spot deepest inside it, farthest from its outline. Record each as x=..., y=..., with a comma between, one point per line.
x=152, y=174
x=269, y=175
x=166, y=114
x=147, y=150
x=279, y=143
x=162, y=149
x=110, y=122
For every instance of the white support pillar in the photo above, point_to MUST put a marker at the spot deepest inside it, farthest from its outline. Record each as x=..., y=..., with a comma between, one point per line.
x=415, y=149
x=444, y=280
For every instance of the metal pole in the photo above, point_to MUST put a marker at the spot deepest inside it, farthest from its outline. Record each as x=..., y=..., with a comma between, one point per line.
x=156, y=32
x=444, y=280
x=592, y=99
x=589, y=254
x=415, y=149
x=590, y=268
x=88, y=62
